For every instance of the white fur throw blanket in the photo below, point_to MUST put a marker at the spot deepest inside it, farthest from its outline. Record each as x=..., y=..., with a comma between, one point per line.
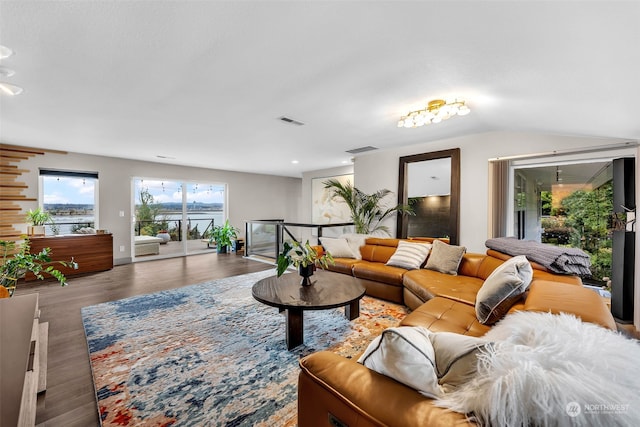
x=552, y=370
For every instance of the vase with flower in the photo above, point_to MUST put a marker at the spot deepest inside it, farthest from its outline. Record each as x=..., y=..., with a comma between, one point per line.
x=304, y=258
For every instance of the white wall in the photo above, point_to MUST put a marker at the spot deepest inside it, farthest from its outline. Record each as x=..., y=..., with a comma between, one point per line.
x=379, y=169
x=306, y=207
x=250, y=196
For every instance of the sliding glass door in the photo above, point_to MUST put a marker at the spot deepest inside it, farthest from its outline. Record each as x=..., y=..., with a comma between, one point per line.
x=174, y=218
x=567, y=204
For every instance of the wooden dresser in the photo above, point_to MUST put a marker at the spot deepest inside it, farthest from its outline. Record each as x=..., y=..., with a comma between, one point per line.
x=92, y=252
x=23, y=359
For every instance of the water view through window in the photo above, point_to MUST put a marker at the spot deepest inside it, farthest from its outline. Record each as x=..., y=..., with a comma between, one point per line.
x=70, y=200
x=177, y=211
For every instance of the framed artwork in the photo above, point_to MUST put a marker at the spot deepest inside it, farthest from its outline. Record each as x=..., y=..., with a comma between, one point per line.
x=325, y=210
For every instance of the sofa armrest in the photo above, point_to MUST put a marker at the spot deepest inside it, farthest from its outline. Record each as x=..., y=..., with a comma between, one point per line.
x=556, y=297
x=333, y=387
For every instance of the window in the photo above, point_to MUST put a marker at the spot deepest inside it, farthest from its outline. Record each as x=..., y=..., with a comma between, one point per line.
x=71, y=199
x=181, y=213
x=567, y=204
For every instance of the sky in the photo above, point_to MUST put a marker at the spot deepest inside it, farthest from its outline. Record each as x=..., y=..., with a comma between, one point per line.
x=68, y=190
x=171, y=191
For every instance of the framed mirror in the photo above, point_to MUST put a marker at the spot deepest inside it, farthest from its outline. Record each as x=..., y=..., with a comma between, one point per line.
x=430, y=184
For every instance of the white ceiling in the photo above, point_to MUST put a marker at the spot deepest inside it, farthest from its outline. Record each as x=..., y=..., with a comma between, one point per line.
x=204, y=82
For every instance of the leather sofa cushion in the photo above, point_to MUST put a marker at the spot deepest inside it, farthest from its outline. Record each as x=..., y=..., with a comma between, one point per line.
x=563, y=278
x=378, y=250
x=343, y=265
x=428, y=284
x=379, y=272
x=554, y=297
x=478, y=265
x=445, y=315
x=358, y=396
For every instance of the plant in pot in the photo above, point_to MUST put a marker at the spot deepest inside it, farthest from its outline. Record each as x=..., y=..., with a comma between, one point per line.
x=223, y=235
x=304, y=257
x=37, y=218
x=368, y=211
x=16, y=263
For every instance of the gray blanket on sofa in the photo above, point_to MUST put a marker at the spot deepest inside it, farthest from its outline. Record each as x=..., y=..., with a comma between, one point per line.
x=557, y=259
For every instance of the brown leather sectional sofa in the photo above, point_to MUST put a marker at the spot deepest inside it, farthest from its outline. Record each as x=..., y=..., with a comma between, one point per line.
x=335, y=391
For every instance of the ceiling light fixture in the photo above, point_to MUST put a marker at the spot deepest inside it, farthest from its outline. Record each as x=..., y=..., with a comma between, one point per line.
x=435, y=112
x=7, y=88
x=6, y=72
x=5, y=52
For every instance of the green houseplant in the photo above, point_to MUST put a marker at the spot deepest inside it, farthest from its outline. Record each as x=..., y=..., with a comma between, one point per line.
x=223, y=235
x=367, y=210
x=303, y=257
x=16, y=263
x=37, y=218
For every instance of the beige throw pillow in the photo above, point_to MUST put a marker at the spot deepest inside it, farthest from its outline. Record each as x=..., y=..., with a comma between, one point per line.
x=445, y=258
x=338, y=248
x=503, y=288
x=456, y=358
x=409, y=255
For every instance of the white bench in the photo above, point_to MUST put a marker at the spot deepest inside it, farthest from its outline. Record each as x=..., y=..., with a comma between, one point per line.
x=147, y=245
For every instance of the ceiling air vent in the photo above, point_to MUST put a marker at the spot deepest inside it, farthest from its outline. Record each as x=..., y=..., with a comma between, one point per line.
x=290, y=121
x=362, y=149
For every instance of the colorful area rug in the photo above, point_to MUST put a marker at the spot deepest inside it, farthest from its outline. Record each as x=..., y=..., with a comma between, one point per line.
x=210, y=355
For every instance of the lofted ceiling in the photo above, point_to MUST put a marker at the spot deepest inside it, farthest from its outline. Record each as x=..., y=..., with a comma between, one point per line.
x=204, y=83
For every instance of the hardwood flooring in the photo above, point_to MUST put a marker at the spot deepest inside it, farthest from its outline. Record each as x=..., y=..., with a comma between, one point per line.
x=70, y=400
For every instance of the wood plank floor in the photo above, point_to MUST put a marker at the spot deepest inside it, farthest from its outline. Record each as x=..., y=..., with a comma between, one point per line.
x=70, y=399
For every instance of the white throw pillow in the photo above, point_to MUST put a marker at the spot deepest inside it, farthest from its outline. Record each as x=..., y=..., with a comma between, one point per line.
x=405, y=354
x=504, y=286
x=356, y=241
x=409, y=255
x=338, y=248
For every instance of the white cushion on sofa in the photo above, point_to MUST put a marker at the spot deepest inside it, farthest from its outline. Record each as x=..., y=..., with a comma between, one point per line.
x=405, y=354
x=337, y=247
x=432, y=363
x=409, y=255
x=356, y=241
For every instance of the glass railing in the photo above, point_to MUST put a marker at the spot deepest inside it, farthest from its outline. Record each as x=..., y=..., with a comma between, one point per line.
x=196, y=228
x=264, y=238
x=61, y=228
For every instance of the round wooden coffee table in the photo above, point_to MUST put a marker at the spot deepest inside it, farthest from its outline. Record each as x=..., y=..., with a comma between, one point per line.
x=329, y=290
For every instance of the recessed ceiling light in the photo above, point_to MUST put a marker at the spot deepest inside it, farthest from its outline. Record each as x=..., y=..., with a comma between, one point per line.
x=295, y=162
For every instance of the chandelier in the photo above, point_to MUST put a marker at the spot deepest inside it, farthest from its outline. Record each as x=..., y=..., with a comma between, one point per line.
x=435, y=112
x=7, y=88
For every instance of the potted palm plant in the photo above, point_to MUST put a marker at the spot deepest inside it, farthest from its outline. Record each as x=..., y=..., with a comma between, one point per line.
x=224, y=235
x=16, y=263
x=368, y=211
x=37, y=218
